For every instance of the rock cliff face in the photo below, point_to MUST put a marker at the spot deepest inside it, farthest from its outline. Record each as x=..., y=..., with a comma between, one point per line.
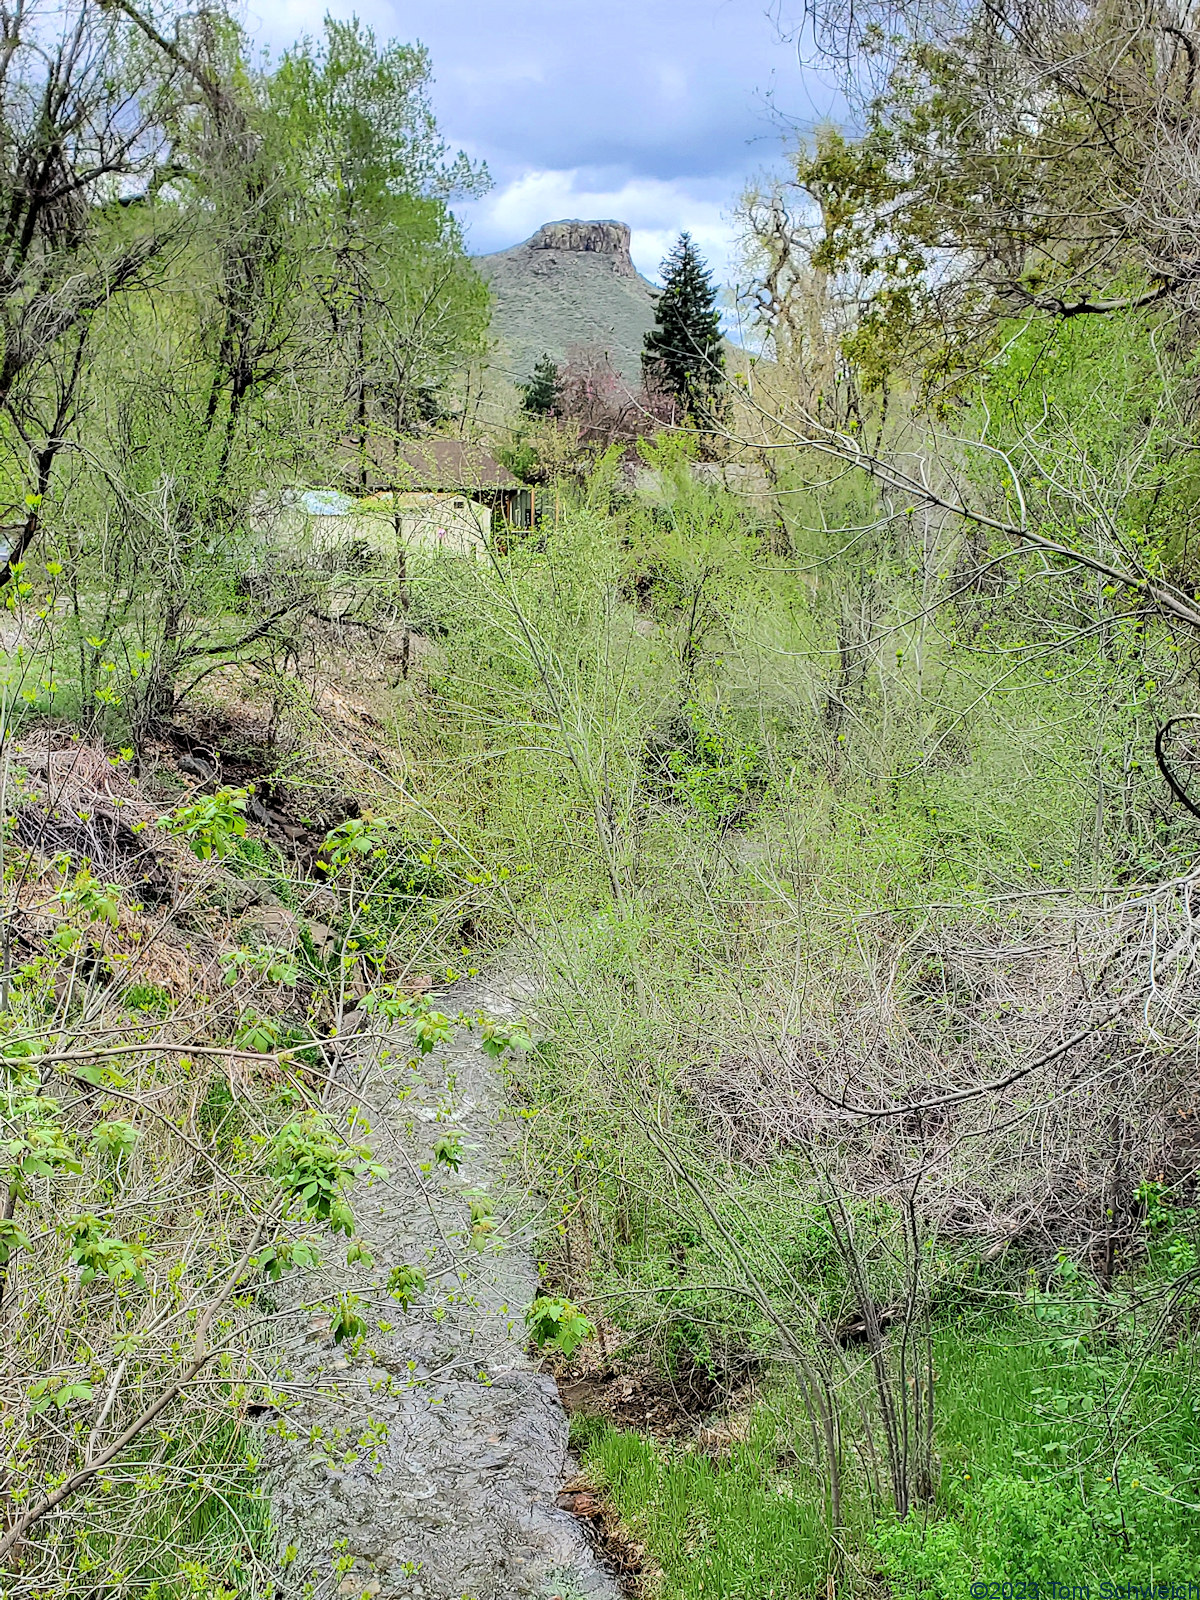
x=595, y=238
x=572, y=283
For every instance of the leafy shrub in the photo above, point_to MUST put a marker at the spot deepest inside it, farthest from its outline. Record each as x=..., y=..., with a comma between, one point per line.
x=1045, y=1529
x=211, y=823
x=558, y=1324
x=699, y=759
x=314, y=1169
x=924, y=1559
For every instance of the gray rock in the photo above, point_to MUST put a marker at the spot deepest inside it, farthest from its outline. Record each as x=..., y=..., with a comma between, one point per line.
x=270, y=924
x=244, y=894
x=275, y=925
x=199, y=766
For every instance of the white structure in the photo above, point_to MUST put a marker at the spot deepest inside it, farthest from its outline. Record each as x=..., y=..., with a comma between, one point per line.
x=386, y=524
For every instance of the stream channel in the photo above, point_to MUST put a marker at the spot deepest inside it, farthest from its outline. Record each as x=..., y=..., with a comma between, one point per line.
x=426, y=1465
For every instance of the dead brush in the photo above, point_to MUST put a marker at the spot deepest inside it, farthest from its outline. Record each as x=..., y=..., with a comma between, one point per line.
x=925, y=1097
x=1030, y=1069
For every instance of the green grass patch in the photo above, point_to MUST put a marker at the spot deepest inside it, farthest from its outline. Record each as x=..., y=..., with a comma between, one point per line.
x=1060, y=1463
x=257, y=858
x=148, y=997
x=731, y=1527
x=188, y=1520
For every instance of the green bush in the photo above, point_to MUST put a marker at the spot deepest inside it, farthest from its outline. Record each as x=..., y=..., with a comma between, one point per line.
x=700, y=759
x=1060, y=1462
x=1049, y=1529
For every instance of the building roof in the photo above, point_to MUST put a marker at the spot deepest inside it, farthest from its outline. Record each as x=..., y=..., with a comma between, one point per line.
x=448, y=464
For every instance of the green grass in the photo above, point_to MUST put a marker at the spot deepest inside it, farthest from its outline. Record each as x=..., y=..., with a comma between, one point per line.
x=1071, y=1465
x=727, y=1528
x=201, y=1526
x=1060, y=1462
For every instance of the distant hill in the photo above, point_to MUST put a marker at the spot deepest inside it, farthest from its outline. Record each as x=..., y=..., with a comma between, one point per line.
x=572, y=283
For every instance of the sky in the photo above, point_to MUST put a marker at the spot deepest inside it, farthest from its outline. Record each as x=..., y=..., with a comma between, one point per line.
x=654, y=112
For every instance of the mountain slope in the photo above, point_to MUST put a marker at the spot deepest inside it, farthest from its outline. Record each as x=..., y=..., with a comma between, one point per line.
x=572, y=283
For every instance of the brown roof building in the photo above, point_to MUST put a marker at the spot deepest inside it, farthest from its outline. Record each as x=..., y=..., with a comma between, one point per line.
x=450, y=466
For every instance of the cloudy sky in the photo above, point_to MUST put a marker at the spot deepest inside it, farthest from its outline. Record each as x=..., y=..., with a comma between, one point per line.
x=651, y=111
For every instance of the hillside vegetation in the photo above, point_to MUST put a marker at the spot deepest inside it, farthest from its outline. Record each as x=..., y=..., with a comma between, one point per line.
x=850, y=843
x=572, y=285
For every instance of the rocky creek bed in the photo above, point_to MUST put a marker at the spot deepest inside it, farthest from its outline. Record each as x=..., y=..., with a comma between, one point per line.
x=424, y=1461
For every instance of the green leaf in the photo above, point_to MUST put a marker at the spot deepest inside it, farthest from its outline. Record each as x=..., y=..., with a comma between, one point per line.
x=12, y=1239
x=447, y=1149
x=114, y=1139
x=346, y=1321
x=557, y=1323
x=405, y=1283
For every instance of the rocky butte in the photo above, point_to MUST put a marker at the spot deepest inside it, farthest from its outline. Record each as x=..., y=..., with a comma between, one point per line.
x=571, y=283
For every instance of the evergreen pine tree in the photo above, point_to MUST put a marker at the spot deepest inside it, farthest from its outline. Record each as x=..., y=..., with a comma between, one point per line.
x=540, y=394
x=683, y=355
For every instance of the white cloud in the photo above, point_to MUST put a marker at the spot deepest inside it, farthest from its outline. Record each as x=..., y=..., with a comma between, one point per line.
x=656, y=209
x=649, y=111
